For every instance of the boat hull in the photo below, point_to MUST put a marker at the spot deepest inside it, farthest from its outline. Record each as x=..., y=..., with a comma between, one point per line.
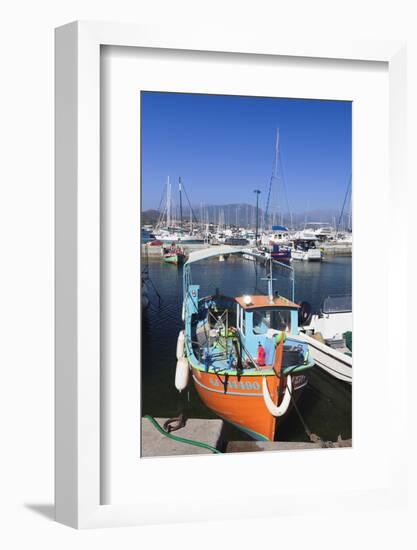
x=312, y=255
x=239, y=400
x=179, y=240
x=299, y=255
x=174, y=259
x=283, y=257
x=281, y=253
x=337, y=364
x=332, y=361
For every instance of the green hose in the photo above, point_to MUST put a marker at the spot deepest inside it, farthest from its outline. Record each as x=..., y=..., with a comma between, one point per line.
x=181, y=439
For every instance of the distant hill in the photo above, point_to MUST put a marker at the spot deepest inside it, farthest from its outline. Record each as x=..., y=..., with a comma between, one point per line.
x=150, y=217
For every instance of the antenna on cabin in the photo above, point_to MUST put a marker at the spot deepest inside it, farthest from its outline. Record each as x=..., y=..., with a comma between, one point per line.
x=270, y=284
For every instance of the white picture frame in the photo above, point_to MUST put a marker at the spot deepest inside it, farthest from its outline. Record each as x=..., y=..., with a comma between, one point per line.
x=78, y=264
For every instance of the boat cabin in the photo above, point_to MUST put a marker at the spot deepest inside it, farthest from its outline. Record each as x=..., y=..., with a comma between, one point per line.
x=258, y=317
x=304, y=244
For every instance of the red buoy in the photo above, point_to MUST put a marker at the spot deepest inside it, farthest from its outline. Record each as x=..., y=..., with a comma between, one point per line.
x=261, y=355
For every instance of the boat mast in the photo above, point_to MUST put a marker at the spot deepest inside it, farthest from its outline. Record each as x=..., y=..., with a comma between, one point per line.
x=180, y=190
x=348, y=191
x=274, y=176
x=257, y=215
x=168, y=203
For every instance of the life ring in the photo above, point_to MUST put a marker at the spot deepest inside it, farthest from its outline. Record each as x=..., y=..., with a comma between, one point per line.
x=281, y=409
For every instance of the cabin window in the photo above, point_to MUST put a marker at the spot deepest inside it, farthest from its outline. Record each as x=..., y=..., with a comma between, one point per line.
x=274, y=318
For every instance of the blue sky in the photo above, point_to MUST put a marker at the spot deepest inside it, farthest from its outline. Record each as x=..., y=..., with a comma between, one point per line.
x=223, y=148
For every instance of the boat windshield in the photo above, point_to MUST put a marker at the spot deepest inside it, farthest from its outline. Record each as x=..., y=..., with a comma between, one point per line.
x=274, y=318
x=337, y=304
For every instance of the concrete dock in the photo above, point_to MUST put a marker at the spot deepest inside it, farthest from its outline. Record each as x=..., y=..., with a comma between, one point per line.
x=197, y=429
x=256, y=446
x=210, y=432
x=337, y=249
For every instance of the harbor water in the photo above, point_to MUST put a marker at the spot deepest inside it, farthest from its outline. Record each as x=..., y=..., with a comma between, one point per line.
x=325, y=403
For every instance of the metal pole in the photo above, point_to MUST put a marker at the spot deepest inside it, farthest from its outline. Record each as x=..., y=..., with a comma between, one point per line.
x=257, y=214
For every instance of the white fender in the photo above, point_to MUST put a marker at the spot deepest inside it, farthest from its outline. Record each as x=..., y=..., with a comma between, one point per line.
x=180, y=344
x=182, y=373
x=270, y=405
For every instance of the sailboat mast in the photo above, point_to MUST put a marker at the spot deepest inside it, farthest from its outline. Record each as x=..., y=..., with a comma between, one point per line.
x=168, y=202
x=180, y=190
x=348, y=190
x=274, y=176
x=257, y=215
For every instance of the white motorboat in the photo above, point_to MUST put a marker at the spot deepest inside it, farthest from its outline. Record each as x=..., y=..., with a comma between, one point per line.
x=333, y=361
x=254, y=254
x=305, y=246
x=278, y=235
x=306, y=252
x=177, y=236
x=324, y=334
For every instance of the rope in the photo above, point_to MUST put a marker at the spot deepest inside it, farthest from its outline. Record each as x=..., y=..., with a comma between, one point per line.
x=314, y=438
x=189, y=203
x=307, y=430
x=181, y=439
x=155, y=290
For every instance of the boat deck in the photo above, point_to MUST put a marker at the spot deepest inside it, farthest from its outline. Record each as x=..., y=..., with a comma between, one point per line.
x=292, y=357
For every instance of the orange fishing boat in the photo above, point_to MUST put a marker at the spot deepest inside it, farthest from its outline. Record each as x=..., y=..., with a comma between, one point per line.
x=240, y=353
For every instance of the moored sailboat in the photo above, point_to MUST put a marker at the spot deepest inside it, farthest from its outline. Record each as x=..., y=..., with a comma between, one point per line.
x=167, y=230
